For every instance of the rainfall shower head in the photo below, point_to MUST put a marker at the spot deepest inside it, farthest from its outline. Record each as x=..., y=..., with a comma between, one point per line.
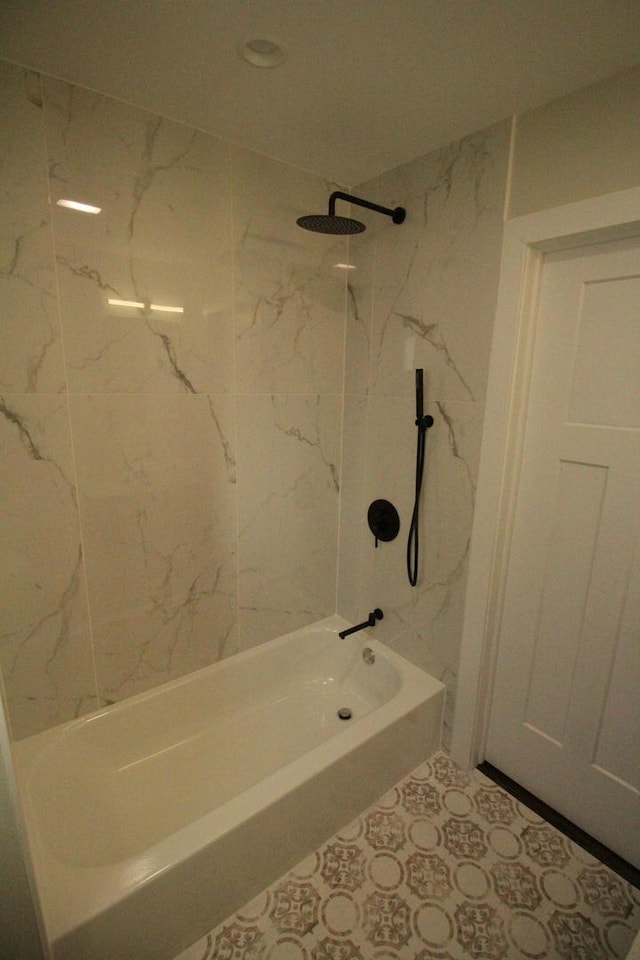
x=330, y=223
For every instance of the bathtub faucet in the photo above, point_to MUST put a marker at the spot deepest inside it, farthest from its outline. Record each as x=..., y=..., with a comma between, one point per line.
x=376, y=614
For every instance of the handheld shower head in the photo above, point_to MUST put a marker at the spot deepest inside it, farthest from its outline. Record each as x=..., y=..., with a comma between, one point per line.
x=330, y=223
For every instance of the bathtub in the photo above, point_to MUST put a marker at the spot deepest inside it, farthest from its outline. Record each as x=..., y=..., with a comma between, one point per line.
x=151, y=821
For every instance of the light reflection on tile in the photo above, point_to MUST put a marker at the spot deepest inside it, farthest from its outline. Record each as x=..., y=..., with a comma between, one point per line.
x=163, y=237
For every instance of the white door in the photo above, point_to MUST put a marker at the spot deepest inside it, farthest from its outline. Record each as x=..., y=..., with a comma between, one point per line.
x=565, y=714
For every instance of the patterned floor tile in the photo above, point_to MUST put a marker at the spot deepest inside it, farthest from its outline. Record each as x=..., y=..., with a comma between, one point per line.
x=446, y=866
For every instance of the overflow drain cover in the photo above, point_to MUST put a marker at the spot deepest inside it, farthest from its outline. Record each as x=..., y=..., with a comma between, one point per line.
x=344, y=713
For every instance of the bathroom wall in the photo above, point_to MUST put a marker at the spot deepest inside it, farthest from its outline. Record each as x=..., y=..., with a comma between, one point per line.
x=170, y=480
x=582, y=145
x=422, y=295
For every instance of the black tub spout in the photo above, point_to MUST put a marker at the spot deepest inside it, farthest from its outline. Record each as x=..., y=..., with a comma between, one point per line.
x=376, y=614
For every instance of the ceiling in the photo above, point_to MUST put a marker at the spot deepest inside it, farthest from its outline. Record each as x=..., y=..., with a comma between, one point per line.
x=366, y=85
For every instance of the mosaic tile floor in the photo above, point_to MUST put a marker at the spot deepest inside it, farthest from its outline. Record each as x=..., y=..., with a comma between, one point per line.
x=446, y=865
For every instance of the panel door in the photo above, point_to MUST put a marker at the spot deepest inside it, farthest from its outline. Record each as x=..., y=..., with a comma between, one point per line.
x=565, y=714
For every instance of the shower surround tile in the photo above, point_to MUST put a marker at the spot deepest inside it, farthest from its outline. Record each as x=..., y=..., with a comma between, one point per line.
x=289, y=482
x=156, y=476
x=421, y=621
x=425, y=297
x=437, y=278
x=446, y=866
x=289, y=295
x=360, y=281
x=353, y=535
x=289, y=347
x=163, y=238
x=271, y=334
x=163, y=406
x=30, y=345
x=45, y=651
x=452, y=451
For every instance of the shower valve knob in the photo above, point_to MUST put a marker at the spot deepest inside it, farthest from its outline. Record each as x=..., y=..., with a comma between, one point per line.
x=383, y=520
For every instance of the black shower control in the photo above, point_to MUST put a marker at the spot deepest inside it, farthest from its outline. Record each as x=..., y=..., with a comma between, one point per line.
x=383, y=520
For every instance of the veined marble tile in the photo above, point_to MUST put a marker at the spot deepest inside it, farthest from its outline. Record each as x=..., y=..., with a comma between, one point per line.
x=289, y=469
x=359, y=315
x=437, y=609
x=290, y=296
x=157, y=489
x=429, y=303
x=45, y=647
x=389, y=474
x=30, y=345
x=355, y=536
x=162, y=240
x=437, y=274
x=415, y=644
x=424, y=621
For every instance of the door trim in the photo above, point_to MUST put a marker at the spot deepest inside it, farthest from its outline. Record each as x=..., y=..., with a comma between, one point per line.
x=613, y=216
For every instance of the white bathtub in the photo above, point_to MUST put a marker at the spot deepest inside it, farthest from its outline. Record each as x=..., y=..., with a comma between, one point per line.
x=152, y=820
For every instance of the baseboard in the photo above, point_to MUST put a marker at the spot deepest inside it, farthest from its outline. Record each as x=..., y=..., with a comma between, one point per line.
x=612, y=860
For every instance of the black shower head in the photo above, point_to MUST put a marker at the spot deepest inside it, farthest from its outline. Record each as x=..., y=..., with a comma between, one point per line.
x=330, y=223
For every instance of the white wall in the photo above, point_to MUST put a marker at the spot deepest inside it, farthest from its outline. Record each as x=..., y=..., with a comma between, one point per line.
x=582, y=145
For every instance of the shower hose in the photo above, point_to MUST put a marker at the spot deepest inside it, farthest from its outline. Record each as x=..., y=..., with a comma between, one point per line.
x=413, y=541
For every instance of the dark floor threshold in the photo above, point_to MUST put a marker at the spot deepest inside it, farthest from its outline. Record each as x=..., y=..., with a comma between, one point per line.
x=616, y=863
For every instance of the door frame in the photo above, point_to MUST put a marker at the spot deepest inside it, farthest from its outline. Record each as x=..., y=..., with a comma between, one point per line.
x=526, y=239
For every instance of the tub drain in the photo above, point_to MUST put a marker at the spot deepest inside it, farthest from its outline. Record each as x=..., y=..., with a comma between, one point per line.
x=344, y=713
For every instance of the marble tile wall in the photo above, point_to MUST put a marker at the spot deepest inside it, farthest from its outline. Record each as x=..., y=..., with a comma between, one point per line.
x=173, y=483
x=170, y=480
x=422, y=295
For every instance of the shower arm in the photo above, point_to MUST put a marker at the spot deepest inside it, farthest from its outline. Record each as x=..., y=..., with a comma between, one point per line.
x=397, y=215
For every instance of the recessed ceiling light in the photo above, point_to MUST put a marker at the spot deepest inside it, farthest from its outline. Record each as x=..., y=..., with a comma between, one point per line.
x=263, y=53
